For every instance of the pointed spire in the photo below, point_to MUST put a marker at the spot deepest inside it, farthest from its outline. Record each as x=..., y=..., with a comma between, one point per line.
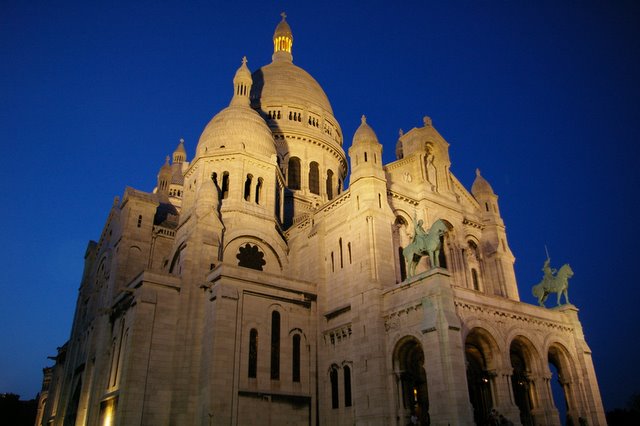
x=180, y=154
x=282, y=41
x=242, y=83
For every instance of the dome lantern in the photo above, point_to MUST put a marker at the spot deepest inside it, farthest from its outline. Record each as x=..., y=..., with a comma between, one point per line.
x=282, y=41
x=242, y=83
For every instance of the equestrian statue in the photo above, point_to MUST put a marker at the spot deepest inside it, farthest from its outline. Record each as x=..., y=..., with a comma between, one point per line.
x=424, y=244
x=553, y=282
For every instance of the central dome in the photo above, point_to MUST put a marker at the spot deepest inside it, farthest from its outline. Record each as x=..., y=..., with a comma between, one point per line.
x=282, y=82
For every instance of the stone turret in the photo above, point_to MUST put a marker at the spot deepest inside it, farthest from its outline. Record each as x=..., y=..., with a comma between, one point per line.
x=365, y=153
x=499, y=258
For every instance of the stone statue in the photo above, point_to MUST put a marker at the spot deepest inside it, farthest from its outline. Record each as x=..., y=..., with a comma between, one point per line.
x=424, y=244
x=553, y=282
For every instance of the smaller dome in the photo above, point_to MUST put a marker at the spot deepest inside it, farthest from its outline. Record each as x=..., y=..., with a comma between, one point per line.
x=481, y=186
x=364, y=134
x=237, y=127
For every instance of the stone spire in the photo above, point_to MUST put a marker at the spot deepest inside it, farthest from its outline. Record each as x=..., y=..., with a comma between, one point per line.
x=282, y=41
x=242, y=83
x=180, y=154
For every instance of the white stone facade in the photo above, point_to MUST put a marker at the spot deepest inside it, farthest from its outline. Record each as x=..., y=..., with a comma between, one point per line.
x=250, y=287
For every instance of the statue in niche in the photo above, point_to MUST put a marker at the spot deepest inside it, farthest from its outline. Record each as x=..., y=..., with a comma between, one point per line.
x=424, y=244
x=553, y=281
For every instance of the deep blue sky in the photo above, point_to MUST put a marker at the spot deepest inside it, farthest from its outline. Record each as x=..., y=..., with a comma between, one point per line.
x=542, y=96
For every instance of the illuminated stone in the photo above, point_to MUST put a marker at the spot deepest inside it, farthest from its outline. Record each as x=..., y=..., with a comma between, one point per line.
x=250, y=287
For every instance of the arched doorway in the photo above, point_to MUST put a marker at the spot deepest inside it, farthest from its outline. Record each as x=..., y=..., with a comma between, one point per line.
x=561, y=369
x=521, y=384
x=412, y=380
x=479, y=353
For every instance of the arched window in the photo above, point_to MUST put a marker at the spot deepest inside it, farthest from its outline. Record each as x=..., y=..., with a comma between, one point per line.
x=347, y=386
x=295, y=358
x=293, y=175
x=225, y=185
x=275, y=345
x=333, y=376
x=314, y=178
x=330, y=184
x=253, y=353
x=247, y=188
x=259, y=190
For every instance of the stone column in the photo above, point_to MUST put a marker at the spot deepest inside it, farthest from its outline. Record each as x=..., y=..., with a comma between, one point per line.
x=444, y=354
x=502, y=393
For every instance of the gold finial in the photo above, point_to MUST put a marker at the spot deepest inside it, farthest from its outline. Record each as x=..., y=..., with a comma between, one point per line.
x=244, y=60
x=284, y=15
x=477, y=172
x=363, y=119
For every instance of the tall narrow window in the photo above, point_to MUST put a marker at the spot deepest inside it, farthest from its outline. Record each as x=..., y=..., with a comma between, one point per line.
x=295, y=357
x=275, y=345
x=365, y=157
x=333, y=265
x=330, y=184
x=349, y=248
x=253, y=353
x=314, y=178
x=341, y=262
x=474, y=276
x=293, y=174
x=259, y=190
x=347, y=386
x=139, y=221
x=403, y=264
x=335, y=402
x=225, y=185
x=247, y=188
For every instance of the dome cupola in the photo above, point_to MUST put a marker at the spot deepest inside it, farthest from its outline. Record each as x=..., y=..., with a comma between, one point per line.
x=180, y=154
x=480, y=186
x=242, y=83
x=365, y=153
x=282, y=41
x=164, y=177
x=364, y=134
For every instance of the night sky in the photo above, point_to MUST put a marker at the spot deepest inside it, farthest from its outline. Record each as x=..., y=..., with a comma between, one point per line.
x=543, y=97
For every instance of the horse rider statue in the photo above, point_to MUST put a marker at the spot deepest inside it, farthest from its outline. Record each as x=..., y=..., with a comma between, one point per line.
x=553, y=281
x=424, y=244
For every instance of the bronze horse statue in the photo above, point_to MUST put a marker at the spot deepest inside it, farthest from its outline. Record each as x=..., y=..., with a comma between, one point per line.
x=554, y=284
x=424, y=244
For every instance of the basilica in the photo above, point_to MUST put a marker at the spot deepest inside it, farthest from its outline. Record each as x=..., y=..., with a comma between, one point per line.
x=253, y=286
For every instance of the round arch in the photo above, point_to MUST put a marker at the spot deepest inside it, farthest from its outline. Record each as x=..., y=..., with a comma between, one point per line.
x=413, y=392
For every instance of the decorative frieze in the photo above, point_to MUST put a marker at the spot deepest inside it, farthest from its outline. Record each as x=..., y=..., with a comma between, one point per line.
x=497, y=315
